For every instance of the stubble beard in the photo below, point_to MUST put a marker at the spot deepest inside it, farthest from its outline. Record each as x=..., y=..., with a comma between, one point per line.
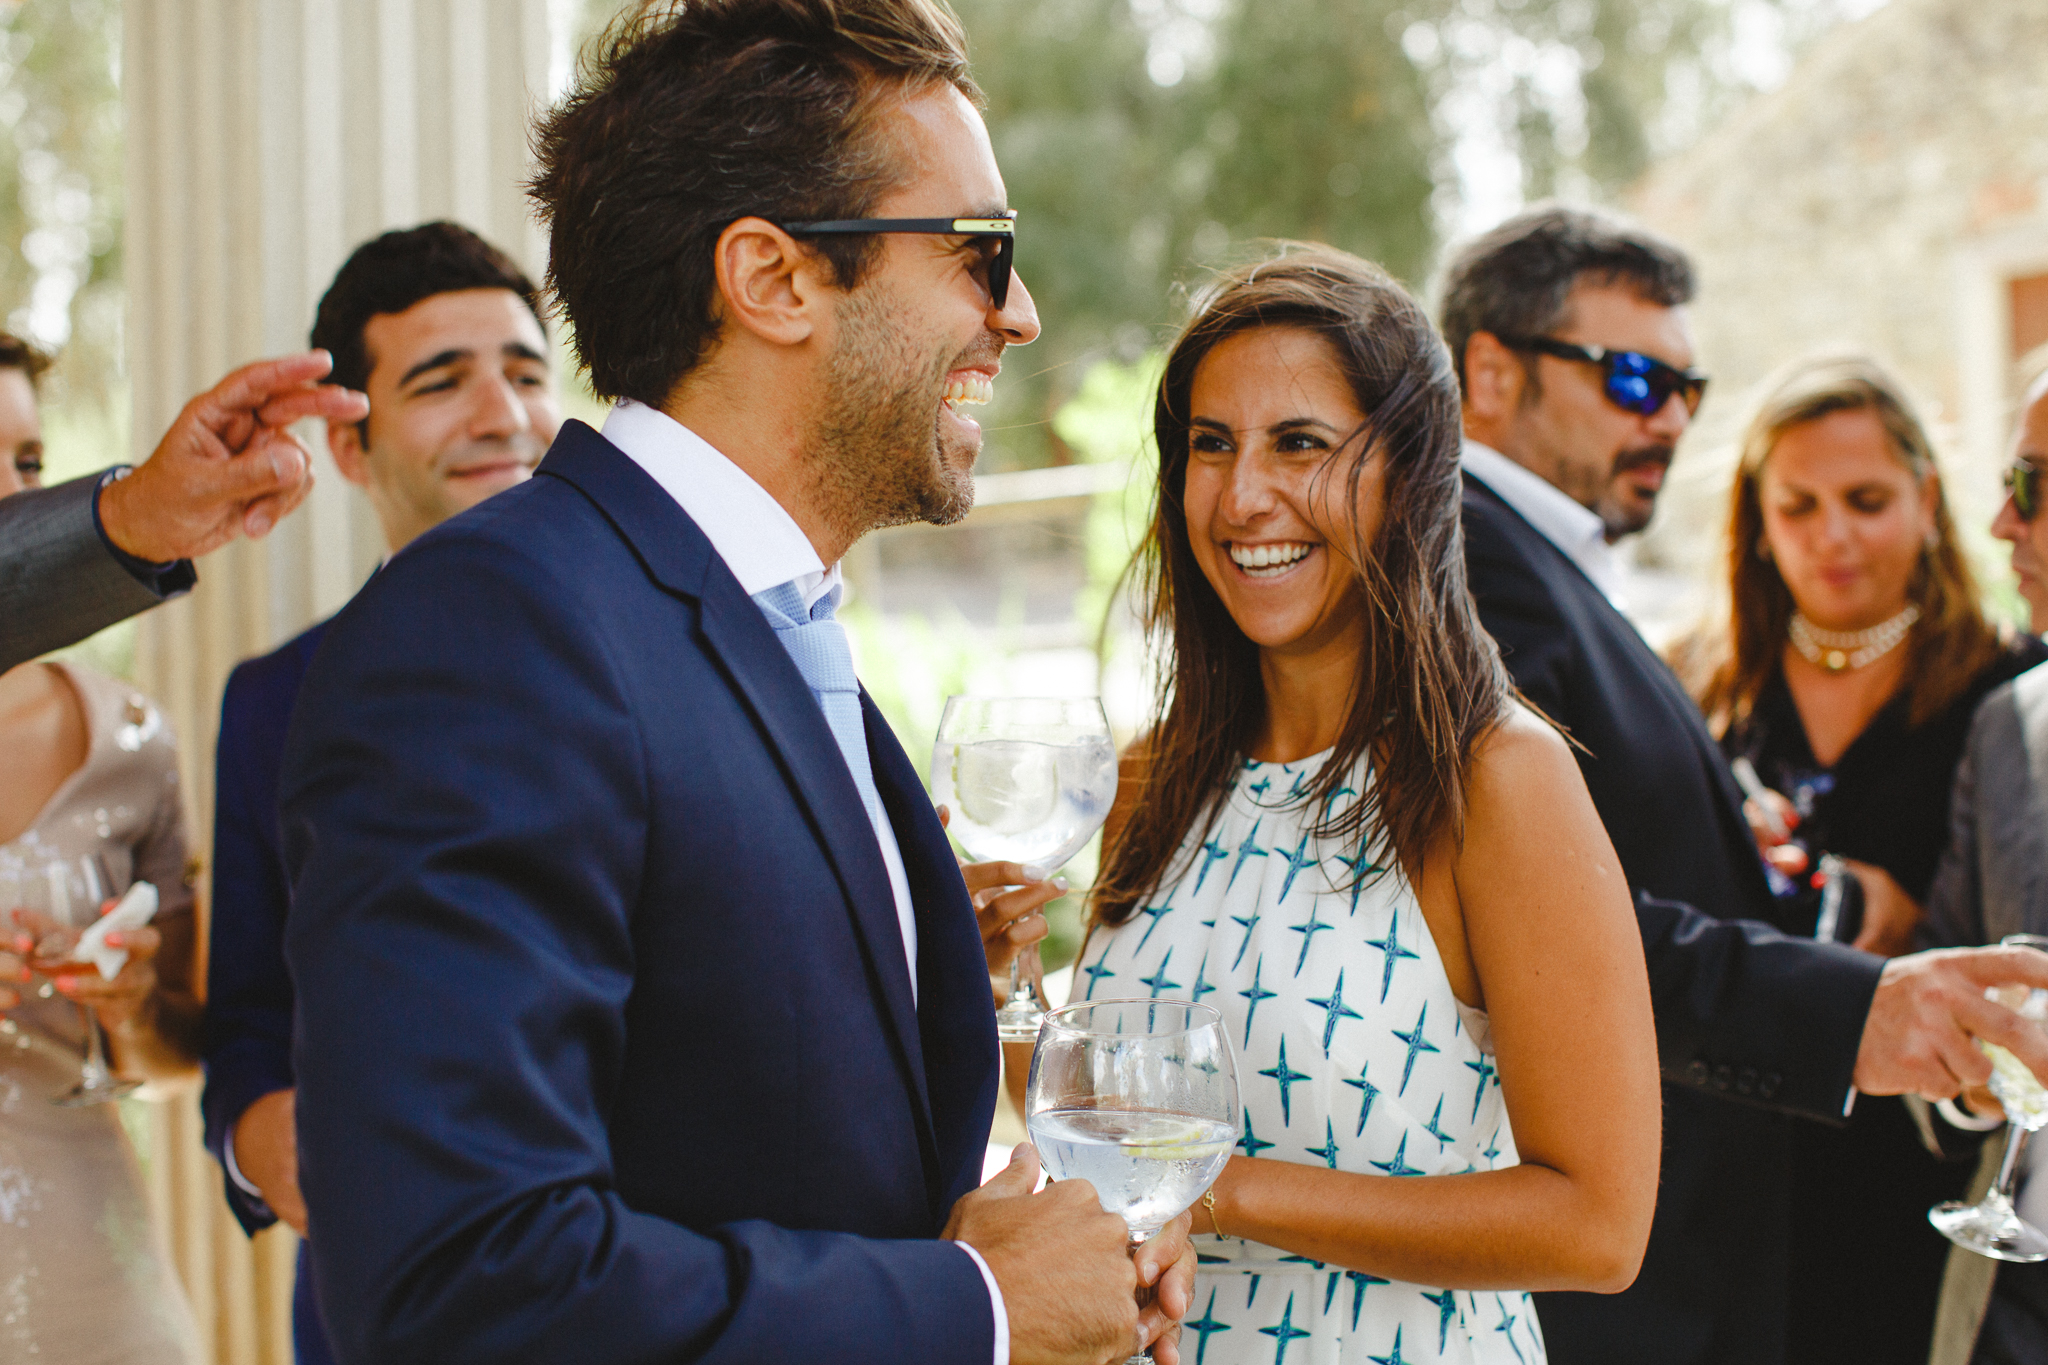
x=878, y=447
x=1620, y=513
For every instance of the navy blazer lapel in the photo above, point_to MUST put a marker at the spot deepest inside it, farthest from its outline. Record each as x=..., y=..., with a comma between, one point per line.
x=680, y=557
x=745, y=645
x=956, y=1017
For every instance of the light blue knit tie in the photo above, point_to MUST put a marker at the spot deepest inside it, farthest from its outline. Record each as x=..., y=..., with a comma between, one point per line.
x=817, y=645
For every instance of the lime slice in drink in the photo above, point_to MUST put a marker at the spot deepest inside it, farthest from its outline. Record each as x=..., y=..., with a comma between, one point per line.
x=1173, y=1139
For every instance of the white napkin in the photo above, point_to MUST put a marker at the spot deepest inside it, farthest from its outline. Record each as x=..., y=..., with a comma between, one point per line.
x=132, y=912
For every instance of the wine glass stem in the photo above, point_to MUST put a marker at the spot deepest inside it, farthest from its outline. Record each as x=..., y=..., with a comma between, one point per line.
x=1138, y=1240
x=95, y=1065
x=2009, y=1164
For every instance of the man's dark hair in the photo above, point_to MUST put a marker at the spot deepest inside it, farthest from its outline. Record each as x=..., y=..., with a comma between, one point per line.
x=1514, y=280
x=17, y=354
x=700, y=112
x=390, y=274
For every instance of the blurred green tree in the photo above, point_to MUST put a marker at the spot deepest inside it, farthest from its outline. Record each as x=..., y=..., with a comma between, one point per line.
x=60, y=204
x=1144, y=141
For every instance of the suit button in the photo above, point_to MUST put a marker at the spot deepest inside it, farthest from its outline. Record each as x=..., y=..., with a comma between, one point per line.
x=1770, y=1085
x=1724, y=1076
x=1697, y=1073
x=1745, y=1084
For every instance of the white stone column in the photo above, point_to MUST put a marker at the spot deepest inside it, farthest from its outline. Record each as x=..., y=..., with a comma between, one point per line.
x=266, y=138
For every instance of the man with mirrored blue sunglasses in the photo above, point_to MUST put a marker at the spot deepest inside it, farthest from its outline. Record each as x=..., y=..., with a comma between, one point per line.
x=1570, y=333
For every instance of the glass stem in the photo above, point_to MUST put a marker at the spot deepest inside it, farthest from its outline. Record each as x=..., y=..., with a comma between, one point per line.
x=2009, y=1164
x=1016, y=973
x=1138, y=1240
x=94, y=1069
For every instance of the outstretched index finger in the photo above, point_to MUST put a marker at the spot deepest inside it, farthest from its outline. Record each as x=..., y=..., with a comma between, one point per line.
x=246, y=389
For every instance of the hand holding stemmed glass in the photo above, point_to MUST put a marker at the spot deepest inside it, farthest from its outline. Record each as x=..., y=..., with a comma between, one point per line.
x=1139, y=1098
x=58, y=901
x=1027, y=781
x=1992, y=1227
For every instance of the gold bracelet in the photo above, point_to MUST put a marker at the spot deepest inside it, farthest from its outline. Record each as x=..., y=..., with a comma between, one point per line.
x=1209, y=1203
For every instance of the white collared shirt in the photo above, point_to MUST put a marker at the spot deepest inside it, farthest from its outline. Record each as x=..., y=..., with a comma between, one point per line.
x=763, y=546
x=1575, y=530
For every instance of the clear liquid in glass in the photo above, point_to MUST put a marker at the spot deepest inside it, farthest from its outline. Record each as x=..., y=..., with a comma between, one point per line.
x=1025, y=801
x=2024, y=1098
x=1145, y=1166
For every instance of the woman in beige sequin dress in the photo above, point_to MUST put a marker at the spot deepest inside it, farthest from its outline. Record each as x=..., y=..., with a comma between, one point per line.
x=87, y=769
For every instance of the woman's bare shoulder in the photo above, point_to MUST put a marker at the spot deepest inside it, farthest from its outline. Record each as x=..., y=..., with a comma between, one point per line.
x=1523, y=764
x=1522, y=744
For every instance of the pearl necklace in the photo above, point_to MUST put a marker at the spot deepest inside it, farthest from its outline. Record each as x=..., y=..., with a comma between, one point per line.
x=1837, y=651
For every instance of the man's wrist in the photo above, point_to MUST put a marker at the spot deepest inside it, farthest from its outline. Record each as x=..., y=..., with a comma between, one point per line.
x=997, y=1308
x=162, y=577
x=241, y=1182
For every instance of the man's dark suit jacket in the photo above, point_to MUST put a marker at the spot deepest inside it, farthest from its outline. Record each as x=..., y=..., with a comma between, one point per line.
x=605, y=1039
x=248, y=1049
x=61, y=580
x=1752, y=1025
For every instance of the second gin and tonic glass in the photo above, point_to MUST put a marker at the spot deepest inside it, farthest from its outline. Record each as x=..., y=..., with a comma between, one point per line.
x=1992, y=1227
x=1138, y=1098
x=1028, y=780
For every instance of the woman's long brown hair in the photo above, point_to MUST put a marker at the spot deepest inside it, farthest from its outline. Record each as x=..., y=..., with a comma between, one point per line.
x=1950, y=644
x=1430, y=683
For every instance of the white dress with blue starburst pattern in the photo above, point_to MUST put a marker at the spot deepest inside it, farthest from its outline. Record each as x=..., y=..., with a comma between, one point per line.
x=1351, y=1052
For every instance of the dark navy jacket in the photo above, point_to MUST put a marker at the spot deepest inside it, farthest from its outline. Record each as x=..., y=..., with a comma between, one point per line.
x=605, y=1039
x=1753, y=1025
x=248, y=990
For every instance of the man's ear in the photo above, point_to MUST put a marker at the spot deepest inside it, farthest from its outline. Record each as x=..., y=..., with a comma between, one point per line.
x=1494, y=379
x=345, y=444
x=769, y=284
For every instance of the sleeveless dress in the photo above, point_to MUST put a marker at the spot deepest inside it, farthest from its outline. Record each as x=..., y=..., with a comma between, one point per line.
x=1351, y=1052
x=85, y=1276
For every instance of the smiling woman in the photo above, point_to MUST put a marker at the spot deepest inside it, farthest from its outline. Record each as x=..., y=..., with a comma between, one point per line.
x=1338, y=729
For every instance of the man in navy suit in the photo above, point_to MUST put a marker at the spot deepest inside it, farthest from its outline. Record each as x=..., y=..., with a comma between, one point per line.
x=1570, y=333
x=642, y=1014
x=443, y=331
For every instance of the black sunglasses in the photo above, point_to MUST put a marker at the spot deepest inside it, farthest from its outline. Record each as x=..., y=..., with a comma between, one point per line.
x=2023, y=483
x=1001, y=229
x=1633, y=382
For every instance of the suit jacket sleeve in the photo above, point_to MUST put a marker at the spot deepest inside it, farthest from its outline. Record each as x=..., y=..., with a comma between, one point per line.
x=465, y=834
x=249, y=993
x=59, y=579
x=1955, y=903
x=1742, y=1010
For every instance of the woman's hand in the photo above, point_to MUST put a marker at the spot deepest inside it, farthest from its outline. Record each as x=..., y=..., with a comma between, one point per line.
x=118, y=1002
x=14, y=970
x=1009, y=905
x=1890, y=916
x=1772, y=818
x=1009, y=901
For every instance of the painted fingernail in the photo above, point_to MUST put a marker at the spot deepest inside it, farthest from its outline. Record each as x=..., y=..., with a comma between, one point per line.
x=115, y=940
x=66, y=984
x=1060, y=882
x=1033, y=872
x=259, y=524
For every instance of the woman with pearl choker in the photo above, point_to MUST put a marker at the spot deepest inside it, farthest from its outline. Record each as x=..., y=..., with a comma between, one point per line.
x=1843, y=680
